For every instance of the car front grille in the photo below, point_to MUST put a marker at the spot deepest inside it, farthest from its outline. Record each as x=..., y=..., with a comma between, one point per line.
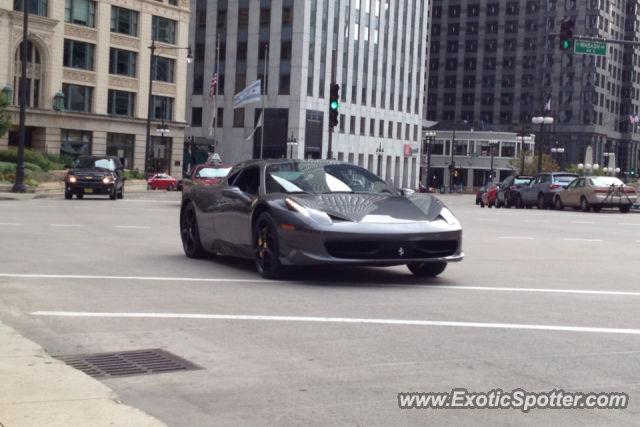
x=372, y=250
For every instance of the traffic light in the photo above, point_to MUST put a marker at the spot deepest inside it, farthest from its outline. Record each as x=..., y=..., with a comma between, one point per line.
x=455, y=173
x=334, y=98
x=566, y=33
x=633, y=173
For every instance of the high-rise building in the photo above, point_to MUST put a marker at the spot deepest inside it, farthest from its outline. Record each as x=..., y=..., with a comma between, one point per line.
x=376, y=49
x=88, y=75
x=496, y=62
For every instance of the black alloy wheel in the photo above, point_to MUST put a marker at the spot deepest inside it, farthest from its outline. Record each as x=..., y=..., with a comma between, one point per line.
x=497, y=203
x=170, y=187
x=68, y=195
x=149, y=187
x=266, y=247
x=121, y=193
x=190, y=233
x=507, y=204
x=625, y=209
x=584, y=205
x=558, y=204
x=427, y=269
x=114, y=193
x=541, y=203
x=519, y=204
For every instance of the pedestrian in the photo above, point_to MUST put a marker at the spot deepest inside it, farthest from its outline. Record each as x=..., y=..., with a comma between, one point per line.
x=391, y=182
x=460, y=187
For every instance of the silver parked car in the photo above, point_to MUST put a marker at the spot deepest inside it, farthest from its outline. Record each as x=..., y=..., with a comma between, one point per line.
x=596, y=192
x=542, y=188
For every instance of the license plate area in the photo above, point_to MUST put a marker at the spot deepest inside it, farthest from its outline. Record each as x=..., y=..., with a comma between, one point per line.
x=88, y=190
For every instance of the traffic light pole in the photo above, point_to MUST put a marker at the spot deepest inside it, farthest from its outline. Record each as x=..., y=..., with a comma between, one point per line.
x=333, y=81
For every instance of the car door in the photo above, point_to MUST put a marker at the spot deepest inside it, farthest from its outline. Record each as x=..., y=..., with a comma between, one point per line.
x=527, y=191
x=232, y=219
x=569, y=195
x=504, y=189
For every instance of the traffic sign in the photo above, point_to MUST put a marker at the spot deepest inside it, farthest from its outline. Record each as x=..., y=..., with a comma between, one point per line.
x=590, y=48
x=475, y=155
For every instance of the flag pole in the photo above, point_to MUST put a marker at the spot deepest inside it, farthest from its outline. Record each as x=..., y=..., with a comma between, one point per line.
x=215, y=101
x=264, y=96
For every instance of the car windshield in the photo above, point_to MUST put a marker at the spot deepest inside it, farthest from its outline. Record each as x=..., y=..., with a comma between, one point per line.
x=212, y=172
x=319, y=178
x=564, y=178
x=89, y=163
x=605, y=181
x=522, y=180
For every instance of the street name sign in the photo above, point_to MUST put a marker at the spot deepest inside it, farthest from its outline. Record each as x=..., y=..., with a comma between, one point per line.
x=475, y=155
x=590, y=48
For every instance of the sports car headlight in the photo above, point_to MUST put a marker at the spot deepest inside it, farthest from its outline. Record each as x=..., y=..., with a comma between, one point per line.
x=317, y=216
x=448, y=216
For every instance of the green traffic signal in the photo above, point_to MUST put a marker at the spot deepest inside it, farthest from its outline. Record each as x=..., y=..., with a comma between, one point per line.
x=334, y=105
x=566, y=44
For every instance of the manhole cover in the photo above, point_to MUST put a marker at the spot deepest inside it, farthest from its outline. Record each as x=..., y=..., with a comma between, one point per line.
x=127, y=363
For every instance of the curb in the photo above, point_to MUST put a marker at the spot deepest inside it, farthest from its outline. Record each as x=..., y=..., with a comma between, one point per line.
x=38, y=390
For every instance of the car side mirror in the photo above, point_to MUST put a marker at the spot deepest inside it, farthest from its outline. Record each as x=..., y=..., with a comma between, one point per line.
x=235, y=193
x=406, y=191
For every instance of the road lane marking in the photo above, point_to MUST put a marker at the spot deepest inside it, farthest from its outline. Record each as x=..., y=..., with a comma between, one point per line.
x=534, y=220
x=207, y=279
x=580, y=222
x=65, y=225
x=583, y=240
x=342, y=320
x=131, y=226
x=520, y=238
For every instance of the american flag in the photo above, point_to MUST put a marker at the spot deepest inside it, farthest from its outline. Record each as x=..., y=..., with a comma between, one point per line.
x=214, y=81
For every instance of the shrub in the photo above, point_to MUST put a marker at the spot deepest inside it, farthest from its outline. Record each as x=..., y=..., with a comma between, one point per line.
x=31, y=167
x=30, y=156
x=132, y=174
x=7, y=167
x=31, y=182
x=42, y=176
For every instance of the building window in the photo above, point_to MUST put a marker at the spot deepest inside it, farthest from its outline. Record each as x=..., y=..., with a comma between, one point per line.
x=163, y=69
x=243, y=18
x=196, y=117
x=241, y=54
x=33, y=83
x=407, y=131
x=285, y=84
x=352, y=125
x=173, y=2
x=198, y=83
x=362, y=125
x=372, y=127
x=285, y=51
x=120, y=103
x=222, y=19
x=124, y=21
x=121, y=145
x=265, y=18
x=238, y=118
x=342, y=120
x=77, y=98
x=287, y=16
x=201, y=19
x=163, y=30
x=390, y=130
x=162, y=108
x=381, y=129
x=399, y=130
x=219, y=117
x=122, y=62
x=80, y=12
x=415, y=132
x=36, y=7
x=78, y=55
x=75, y=142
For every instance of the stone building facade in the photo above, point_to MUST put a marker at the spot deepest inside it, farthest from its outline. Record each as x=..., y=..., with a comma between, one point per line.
x=88, y=74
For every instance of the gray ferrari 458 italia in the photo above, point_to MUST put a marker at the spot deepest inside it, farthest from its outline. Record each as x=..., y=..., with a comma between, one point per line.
x=313, y=212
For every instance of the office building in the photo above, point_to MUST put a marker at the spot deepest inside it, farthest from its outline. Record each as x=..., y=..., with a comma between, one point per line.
x=88, y=74
x=494, y=61
x=378, y=47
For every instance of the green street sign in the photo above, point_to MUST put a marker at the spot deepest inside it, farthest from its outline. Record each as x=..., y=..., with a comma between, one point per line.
x=475, y=155
x=590, y=48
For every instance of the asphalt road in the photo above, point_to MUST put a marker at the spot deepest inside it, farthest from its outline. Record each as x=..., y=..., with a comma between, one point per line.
x=543, y=300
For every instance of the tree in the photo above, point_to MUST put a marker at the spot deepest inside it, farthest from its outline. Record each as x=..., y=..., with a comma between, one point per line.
x=548, y=164
x=5, y=119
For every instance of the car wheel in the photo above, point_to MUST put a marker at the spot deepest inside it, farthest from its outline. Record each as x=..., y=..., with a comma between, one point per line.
x=170, y=187
x=427, y=269
x=490, y=204
x=477, y=202
x=266, y=247
x=559, y=205
x=519, y=204
x=79, y=196
x=68, y=195
x=114, y=194
x=507, y=205
x=541, y=203
x=596, y=209
x=149, y=187
x=496, y=202
x=625, y=209
x=481, y=204
x=190, y=233
x=528, y=206
x=121, y=193
x=584, y=205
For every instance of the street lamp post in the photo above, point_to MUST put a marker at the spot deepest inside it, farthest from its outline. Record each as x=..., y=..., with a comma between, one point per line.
x=291, y=142
x=558, y=150
x=524, y=139
x=492, y=143
x=430, y=137
x=162, y=127
x=152, y=67
x=541, y=120
x=380, y=153
x=19, y=185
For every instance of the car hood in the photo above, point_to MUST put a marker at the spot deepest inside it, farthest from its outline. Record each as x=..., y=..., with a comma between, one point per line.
x=206, y=181
x=90, y=172
x=375, y=208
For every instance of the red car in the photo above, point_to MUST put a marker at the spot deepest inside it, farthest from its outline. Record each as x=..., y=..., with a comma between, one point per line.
x=162, y=181
x=205, y=175
x=489, y=197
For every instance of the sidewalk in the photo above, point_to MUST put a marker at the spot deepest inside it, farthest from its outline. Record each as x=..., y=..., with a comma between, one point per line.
x=37, y=390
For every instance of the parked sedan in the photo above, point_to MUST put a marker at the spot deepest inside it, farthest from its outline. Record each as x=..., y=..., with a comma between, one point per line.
x=162, y=181
x=483, y=190
x=489, y=197
x=596, y=192
x=205, y=175
x=507, y=191
x=542, y=189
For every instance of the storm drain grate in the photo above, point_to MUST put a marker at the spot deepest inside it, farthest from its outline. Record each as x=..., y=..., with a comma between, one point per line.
x=127, y=363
